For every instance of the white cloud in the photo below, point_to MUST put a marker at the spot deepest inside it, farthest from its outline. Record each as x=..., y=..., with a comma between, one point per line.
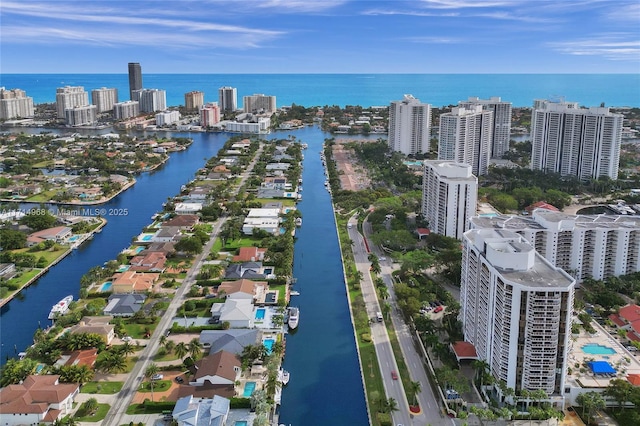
x=302, y=6
x=610, y=46
x=463, y=4
x=435, y=40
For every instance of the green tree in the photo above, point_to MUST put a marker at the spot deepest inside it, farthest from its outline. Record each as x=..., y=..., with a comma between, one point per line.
x=195, y=350
x=38, y=219
x=181, y=350
x=151, y=370
x=620, y=390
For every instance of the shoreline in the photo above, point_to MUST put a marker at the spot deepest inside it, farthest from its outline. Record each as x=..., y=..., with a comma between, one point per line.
x=9, y=298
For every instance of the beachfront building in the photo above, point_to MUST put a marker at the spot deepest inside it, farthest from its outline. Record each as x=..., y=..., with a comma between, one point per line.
x=15, y=103
x=135, y=78
x=151, y=100
x=193, y=100
x=257, y=125
x=586, y=246
x=209, y=114
x=575, y=141
x=501, y=121
x=104, y=99
x=167, y=118
x=516, y=310
x=228, y=98
x=85, y=115
x=259, y=103
x=126, y=109
x=465, y=137
x=449, y=197
x=70, y=97
x=409, y=126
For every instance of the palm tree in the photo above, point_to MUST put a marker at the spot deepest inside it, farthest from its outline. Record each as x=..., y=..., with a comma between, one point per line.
x=383, y=292
x=170, y=346
x=390, y=405
x=90, y=406
x=163, y=340
x=195, y=349
x=151, y=371
x=127, y=349
x=416, y=388
x=481, y=366
x=181, y=350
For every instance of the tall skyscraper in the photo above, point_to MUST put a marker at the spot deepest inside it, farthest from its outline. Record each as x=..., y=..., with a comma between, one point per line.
x=193, y=100
x=126, y=109
x=104, y=98
x=70, y=97
x=409, y=126
x=15, y=103
x=574, y=141
x=449, y=197
x=228, y=98
x=501, y=122
x=465, y=137
x=135, y=78
x=516, y=310
x=151, y=100
x=259, y=103
x=83, y=115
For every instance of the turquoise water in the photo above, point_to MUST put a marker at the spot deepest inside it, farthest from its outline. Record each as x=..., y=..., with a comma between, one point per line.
x=248, y=389
x=260, y=314
x=39, y=368
x=488, y=215
x=146, y=238
x=138, y=249
x=106, y=286
x=123, y=268
x=596, y=349
x=241, y=423
x=268, y=343
x=74, y=238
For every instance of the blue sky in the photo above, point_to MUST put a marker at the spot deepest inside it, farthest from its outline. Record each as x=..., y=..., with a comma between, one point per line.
x=320, y=36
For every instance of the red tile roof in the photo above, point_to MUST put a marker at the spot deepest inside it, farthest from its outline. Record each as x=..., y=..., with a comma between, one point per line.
x=616, y=320
x=631, y=314
x=541, y=205
x=34, y=395
x=464, y=350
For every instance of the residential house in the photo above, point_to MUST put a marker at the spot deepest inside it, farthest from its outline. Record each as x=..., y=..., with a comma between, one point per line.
x=168, y=234
x=81, y=357
x=38, y=399
x=250, y=254
x=184, y=221
x=95, y=325
x=165, y=248
x=124, y=305
x=193, y=411
x=59, y=234
x=233, y=340
x=220, y=368
x=250, y=270
x=187, y=208
x=237, y=312
x=149, y=262
x=243, y=289
x=628, y=318
x=133, y=282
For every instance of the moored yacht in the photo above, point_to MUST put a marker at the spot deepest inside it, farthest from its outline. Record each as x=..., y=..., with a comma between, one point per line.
x=294, y=317
x=61, y=307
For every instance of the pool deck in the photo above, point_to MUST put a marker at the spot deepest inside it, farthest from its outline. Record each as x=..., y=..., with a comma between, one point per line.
x=624, y=361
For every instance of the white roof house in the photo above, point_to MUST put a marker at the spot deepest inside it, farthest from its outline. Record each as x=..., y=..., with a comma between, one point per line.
x=238, y=313
x=270, y=225
x=187, y=208
x=266, y=213
x=192, y=411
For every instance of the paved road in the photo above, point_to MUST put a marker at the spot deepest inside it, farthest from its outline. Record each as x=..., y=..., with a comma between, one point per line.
x=431, y=410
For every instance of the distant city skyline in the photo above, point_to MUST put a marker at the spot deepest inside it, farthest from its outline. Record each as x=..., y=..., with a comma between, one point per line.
x=321, y=36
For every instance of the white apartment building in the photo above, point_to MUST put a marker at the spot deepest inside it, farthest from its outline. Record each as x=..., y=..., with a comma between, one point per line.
x=84, y=115
x=209, y=114
x=126, y=109
x=70, y=97
x=193, y=100
x=261, y=126
x=409, y=126
x=15, y=103
x=516, y=310
x=449, y=197
x=575, y=141
x=259, y=103
x=228, y=98
x=465, y=137
x=586, y=246
x=151, y=100
x=104, y=98
x=501, y=121
x=167, y=118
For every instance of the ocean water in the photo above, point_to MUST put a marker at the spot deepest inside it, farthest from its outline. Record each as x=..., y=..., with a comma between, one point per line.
x=356, y=89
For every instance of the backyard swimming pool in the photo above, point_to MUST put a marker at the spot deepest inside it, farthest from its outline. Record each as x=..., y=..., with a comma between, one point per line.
x=597, y=349
x=260, y=313
x=106, y=286
x=248, y=389
x=268, y=343
x=241, y=423
x=74, y=238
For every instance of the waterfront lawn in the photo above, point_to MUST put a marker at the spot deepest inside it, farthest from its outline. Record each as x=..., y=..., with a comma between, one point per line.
x=50, y=255
x=42, y=197
x=100, y=413
x=106, y=388
x=286, y=202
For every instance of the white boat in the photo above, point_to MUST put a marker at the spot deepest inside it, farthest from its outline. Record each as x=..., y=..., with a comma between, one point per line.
x=298, y=221
x=283, y=376
x=61, y=307
x=294, y=293
x=294, y=317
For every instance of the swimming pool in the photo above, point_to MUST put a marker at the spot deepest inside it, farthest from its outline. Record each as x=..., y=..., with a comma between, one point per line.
x=146, y=237
x=596, y=349
x=74, y=238
x=260, y=313
x=123, y=268
x=268, y=343
x=39, y=368
x=241, y=423
x=488, y=215
x=106, y=286
x=138, y=249
x=248, y=389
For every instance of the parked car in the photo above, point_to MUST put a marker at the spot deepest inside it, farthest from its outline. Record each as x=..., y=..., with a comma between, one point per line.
x=179, y=379
x=157, y=377
x=127, y=339
x=438, y=309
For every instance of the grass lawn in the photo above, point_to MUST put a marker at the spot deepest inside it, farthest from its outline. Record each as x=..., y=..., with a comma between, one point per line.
x=217, y=246
x=100, y=414
x=148, y=408
x=286, y=202
x=241, y=242
x=403, y=371
x=102, y=387
x=49, y=255
x=166, y=357
x=42, y=197
x=136, y=331
x=24, y=277
x=158, y=386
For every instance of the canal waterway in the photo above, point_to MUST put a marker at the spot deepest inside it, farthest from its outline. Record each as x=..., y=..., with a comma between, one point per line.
x=326, y=386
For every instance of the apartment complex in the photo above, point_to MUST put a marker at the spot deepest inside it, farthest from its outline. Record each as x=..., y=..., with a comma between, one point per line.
x=70, y=97
x=209, y=114
x=501, y=121
x=409, y=126
x=228, y=98
x=104, y=99
x=151, y=100
x=126, y=109
x=516, y=310
x=449, y=197
x=193, y=100
x=135, y=78
x=575, y=141
x=167, y=118
x=586, y=246
x=465, y=137
x=84, y=115
x=15, y=103
x=259, y=103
